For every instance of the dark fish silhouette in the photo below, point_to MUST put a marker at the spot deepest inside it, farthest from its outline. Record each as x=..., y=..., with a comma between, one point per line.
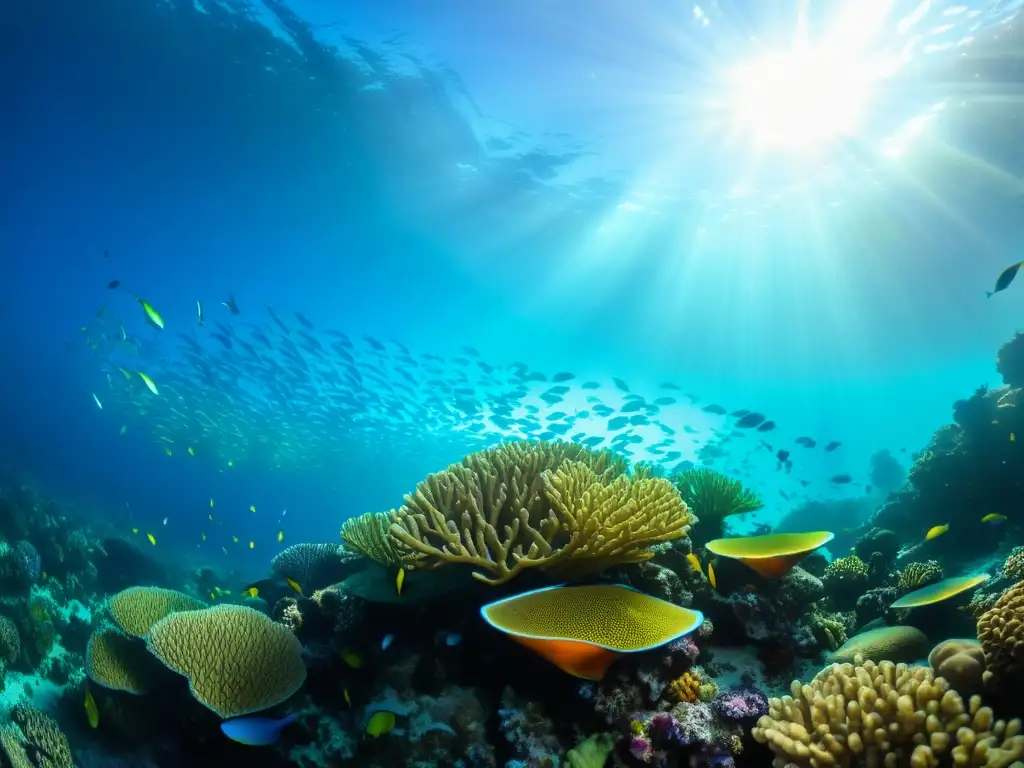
x=806, y=442
x=1005, y=278
x=232, y=305
x=113, y=284
x=842, y=479
x=832, y=446
x=563, y=376
x=715, y=409
x=750, y=420
x=768, y=426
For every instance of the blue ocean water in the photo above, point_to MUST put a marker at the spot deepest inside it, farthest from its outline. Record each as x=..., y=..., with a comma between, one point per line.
x=381, y=236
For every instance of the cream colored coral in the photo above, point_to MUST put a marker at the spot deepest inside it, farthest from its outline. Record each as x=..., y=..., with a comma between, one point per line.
x=498, y=513
x=887, y=715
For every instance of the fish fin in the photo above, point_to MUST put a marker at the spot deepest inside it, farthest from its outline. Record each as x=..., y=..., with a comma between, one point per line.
x=988, y=294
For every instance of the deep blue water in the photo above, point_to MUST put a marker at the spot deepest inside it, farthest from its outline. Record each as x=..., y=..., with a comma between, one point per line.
x=551, y=184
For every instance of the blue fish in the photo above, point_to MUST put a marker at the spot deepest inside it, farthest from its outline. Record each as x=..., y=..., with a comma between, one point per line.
x=388, y=640
x=453, y=639
x=255, y=731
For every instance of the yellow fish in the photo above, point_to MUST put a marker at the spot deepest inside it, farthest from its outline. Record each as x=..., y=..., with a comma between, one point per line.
x=711, y=576
x=203, y=535
x=936, y=531
x=149, y=383
x=151, y=314
x=213, y=596
x=1013, y=437
x=280, y=535
x=211, y=502
x=348, y=699
x=252, y=507
x=251, y=592
x=168, y=451
x=152, y=539
x=993, y=517
x=231, y=464
x=382, y=722
x=210, y=515
x=92, y=712
x=352, y=659
x=694, y=562
x=234, y=539
x=294, y=585
x=191, y=451
x=252, y=545
x=400, y=580
x=135, y=531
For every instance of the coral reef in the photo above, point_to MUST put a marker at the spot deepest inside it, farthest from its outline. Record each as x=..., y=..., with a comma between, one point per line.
x=713, y=497
x=884, y=714
x=1001, y=634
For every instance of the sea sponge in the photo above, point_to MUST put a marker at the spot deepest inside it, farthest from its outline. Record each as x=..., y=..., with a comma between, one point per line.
x=885, y=643
x=525, y=505
x=961, y=662
x=117, y=661
x=137, y=609
x=237, y=660
x=686, y=687
x=1001, y=634
x=713, y=497
x=1013, y=567
x=36, y=740
x=919, y=574
x=884, y=714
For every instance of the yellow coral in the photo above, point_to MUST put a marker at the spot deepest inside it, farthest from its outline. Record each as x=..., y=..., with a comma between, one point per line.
x=828, y=629
x=919, y=574
x=368, y=535
x=686, y=688
x=117, y=661
x=884, y=714
x=736, y=744
x=236, y=659
x=707, y=691
x=547, y=505
x=137, y=609
x=1001, y=633
x=846, y=570
x=34, y=740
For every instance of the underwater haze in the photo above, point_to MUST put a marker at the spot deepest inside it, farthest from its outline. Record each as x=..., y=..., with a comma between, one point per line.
x=269, y=264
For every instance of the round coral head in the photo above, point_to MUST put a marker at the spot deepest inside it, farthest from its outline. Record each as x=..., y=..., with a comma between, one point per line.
x=582, y=630
x=941, y=590
x=772, y=555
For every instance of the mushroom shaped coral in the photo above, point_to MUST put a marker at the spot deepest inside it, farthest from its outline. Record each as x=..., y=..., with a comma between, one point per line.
x=884, y=714
x=237, y=660
x=885, y=643
x=137, y=609
x=961, y=662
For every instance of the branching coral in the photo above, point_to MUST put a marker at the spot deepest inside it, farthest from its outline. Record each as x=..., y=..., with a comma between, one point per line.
x=884, y=714
x=368, y=534
x=919, y=574
x=713, y=497
x=828, y=629
x=36, y=741
x=527, y=505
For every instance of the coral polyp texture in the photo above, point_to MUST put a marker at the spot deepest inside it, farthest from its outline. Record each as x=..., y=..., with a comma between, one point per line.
x=368, y=534
x=137, y=609
x=556, y=507
x=236, y=659
x=34, y=740
x=1001, y=634
x=919, y=574
x=897, y=643
x=1013, y=566
x=118, y=661
x=868, y=714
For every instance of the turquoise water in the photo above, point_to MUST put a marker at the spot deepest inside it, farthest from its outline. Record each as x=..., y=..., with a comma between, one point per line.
x=375, y=239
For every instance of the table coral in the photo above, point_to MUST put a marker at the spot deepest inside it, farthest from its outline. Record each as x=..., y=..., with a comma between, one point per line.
x=874, y=714
x=236, y=659
x=117, y=661
x=137, y=609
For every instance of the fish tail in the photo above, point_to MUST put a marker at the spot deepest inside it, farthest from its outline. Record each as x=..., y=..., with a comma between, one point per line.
x=988, y=294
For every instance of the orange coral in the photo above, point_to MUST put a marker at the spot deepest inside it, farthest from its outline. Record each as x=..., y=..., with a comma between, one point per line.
x=686, y=687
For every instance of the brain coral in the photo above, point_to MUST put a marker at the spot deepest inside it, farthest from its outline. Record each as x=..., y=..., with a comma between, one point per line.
x=1013, y=568
x=137, y=609
x=117, y=661
x=237, y=660
x=867, y=714
x=961, y=662
x=1001, y=633
x=884, y=643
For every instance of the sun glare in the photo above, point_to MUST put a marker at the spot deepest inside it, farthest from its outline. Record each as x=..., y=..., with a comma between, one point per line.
x=799, y=99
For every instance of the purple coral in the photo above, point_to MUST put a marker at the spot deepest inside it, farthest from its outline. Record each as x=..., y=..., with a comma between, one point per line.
x=741, y=704
x=685, y=647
